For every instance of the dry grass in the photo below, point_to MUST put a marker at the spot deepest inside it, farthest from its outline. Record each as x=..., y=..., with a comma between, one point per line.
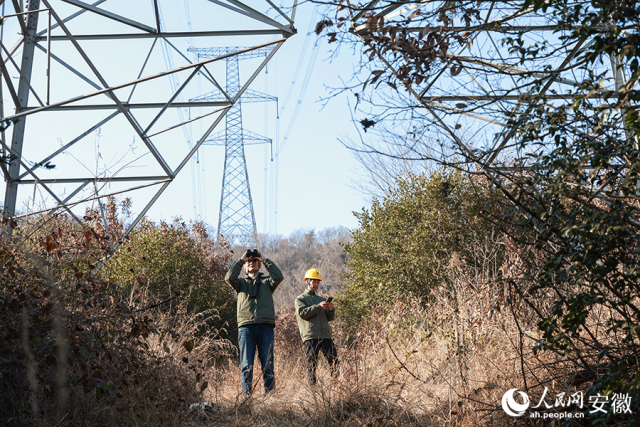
x=445, y=365
x=449, y=365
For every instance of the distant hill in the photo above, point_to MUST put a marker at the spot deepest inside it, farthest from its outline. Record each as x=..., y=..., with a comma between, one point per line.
x=300, y=251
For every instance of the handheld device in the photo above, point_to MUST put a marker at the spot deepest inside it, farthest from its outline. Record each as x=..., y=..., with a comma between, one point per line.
x=329, y=299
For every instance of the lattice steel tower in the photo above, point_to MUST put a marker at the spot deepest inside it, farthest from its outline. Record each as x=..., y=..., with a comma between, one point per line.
x=236, y=221
x=74, y=74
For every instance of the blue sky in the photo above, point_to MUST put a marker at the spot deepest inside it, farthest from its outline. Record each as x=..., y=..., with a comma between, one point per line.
x=315, y=171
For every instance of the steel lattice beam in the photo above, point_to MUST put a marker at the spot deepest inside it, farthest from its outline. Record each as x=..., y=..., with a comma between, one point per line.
x=489, y=79
x=82, y=95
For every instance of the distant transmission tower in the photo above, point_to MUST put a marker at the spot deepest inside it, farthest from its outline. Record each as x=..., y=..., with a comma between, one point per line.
x=74, y=69
x=236, y=222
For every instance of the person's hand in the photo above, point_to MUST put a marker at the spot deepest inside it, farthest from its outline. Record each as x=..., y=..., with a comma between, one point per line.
x=261, y=257
x=244, y=256
x=331, y=306
x=325, y=304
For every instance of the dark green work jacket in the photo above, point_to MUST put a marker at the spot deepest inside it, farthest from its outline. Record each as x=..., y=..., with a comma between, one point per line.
x=313, y=321
x=255, y=302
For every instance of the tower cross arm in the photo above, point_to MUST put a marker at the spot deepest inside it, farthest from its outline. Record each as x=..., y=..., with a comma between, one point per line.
x=214, y=52
x=248, y=138
x=249, y=95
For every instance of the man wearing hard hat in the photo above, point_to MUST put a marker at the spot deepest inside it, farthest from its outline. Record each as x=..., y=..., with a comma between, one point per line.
x=314, y=314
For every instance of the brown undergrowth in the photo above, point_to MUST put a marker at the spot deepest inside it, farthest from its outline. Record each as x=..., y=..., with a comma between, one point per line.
x=77, y=349
x=74, y=351
x=446, y=365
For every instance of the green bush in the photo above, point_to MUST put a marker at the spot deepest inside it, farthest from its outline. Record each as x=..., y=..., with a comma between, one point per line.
x=166, y=262
x=407, y=240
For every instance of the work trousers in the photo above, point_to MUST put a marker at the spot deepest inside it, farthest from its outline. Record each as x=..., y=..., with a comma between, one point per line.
x=312, y=349
x=250, y=337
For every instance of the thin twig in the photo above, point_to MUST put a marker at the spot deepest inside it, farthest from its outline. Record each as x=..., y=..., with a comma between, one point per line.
x=21, y=388
x=402, y=364
x=60, y=422
x=154, y=305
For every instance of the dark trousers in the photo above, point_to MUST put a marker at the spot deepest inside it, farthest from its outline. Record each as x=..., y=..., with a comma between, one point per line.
x=312, y=348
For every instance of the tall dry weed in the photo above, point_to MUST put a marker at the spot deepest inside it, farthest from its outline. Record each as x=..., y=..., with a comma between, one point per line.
x=445, y=363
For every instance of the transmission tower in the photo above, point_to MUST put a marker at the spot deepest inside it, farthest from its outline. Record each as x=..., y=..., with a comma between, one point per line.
x=96, y=97
x=236, y=221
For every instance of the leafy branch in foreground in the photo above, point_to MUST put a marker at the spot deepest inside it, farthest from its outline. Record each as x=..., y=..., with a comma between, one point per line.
x=581, y=198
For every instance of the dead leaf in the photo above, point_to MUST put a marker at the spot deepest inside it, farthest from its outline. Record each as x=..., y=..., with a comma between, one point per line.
x=322, y=25
x=455, y=70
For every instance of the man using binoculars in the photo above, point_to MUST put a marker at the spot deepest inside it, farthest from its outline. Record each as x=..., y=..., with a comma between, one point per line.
x=256, y=315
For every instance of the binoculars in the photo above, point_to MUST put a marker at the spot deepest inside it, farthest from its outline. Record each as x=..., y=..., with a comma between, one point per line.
x=253, y=253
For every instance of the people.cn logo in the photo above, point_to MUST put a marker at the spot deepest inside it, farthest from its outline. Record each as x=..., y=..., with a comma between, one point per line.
x=513, y=408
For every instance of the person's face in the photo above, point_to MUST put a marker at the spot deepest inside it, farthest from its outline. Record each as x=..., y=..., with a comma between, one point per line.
x=313, y=284
x=253, y=265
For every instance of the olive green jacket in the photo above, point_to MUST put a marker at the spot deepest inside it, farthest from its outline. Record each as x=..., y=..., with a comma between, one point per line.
x=313, y=321
x=255, y=302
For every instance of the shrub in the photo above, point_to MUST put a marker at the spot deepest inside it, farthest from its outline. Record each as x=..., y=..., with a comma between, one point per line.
x=157, y=262
x=407, y=239
x=72, y=349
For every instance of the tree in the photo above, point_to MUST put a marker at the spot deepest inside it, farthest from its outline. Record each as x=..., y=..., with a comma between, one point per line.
x=582, y=199
x=165, y=262
x=406, y=240
x=562, y=148
x=302, y=250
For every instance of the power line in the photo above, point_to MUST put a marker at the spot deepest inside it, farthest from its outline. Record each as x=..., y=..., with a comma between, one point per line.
x=303, y=91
